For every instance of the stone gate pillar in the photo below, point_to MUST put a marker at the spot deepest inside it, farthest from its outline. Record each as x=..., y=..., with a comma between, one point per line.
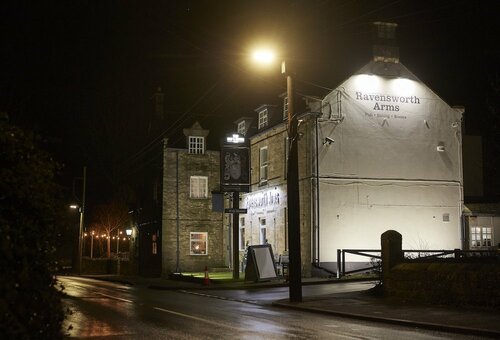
x=392, y=253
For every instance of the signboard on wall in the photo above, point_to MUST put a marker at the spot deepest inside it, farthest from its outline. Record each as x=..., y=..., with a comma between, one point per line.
x=235, y=168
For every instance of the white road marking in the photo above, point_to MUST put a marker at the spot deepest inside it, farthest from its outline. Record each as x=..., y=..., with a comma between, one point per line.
x=115, y=298
x=218, y=324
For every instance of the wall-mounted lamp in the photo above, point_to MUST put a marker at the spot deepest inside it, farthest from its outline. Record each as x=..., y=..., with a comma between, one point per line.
x=440, y=148
x=328, y=141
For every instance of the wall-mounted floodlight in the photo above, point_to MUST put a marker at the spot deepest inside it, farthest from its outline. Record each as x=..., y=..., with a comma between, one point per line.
x=328, y=141
x=73, y=206
x=235, y=139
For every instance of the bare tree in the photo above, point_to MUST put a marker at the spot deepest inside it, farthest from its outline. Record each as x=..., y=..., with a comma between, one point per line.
x=111, y=217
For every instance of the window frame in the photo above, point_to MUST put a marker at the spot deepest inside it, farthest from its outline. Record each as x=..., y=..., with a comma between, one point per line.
x=196, y=145
x=263, y=164
x=481, y=237
x=241, y=128
x=196, y=181
x=242, y=233
x=191, y=240
x=262, y=230
x=285, y=107
x=263, y=118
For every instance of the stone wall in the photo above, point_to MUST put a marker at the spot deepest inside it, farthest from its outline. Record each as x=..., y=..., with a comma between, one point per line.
x=191, y=215
x=438, y=282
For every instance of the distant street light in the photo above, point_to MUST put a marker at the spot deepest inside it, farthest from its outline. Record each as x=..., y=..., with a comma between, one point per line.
x=294, y=269
x=82, y=211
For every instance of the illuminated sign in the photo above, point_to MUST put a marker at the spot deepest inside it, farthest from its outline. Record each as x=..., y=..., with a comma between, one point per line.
x=235, y=168
x=263, y=199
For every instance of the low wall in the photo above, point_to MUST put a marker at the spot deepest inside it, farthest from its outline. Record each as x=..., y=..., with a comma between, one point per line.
x=108, y=266
x=438, y=282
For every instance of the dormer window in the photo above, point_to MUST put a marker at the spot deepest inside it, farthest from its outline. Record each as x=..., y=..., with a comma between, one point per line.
x=241, y=128
x=263, y=119
x=285, y=108
x=196, y=145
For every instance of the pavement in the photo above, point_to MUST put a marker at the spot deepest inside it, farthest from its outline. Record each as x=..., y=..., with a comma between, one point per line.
x=362, y=305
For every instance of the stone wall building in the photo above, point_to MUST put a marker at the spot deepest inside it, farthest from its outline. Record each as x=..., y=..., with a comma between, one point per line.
x=192, y=234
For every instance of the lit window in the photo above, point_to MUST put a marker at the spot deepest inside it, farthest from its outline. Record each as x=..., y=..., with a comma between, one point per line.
x=285, y=108
x=196, y=145
x=263, y=119
x=198, y=243
x=198, y=187
x=241, y=128
x=480, y=237
x=264, y=164
x=154, y=244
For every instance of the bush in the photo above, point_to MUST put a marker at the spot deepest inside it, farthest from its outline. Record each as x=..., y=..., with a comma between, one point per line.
x=30, y=303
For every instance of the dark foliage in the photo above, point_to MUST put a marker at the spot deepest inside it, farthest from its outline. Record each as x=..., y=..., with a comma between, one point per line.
x=30, y=303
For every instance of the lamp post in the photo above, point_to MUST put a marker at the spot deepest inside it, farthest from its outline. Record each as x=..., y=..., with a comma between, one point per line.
x=293, y=198
x=82, y=211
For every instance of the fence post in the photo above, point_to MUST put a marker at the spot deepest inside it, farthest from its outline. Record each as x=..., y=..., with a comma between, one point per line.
x=339, y=264
x=343, y=262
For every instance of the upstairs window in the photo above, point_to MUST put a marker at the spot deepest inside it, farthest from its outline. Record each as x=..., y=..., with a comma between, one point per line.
x=196, y=145
x=198, y=187
x=264, y=164
x=263, y=119
x=241, y=128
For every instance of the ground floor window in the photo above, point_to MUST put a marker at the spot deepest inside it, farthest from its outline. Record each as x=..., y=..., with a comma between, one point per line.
x=263, y=231
x=154, y=244
x=480, y=237
x=198, y=243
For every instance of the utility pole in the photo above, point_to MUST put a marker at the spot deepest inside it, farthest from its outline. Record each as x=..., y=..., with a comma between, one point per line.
x=293, y=198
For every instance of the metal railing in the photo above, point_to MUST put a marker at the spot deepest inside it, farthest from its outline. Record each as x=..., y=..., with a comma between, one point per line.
x=375, y=258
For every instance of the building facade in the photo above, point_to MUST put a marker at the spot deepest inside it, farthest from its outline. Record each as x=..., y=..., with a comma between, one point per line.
x=381, y=151
x=193, y=235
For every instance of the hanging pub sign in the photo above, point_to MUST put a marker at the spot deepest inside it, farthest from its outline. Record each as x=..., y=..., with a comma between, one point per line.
x=235, y=165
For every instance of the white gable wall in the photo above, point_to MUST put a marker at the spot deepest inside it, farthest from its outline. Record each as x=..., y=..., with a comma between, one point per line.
x=384, y=170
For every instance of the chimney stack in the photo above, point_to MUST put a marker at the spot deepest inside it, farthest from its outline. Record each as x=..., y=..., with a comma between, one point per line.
x=384, y=47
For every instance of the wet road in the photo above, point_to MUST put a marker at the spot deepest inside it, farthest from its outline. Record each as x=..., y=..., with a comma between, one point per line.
x=108, y=310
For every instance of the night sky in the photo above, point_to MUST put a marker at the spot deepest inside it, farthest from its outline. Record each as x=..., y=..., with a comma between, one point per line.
x=83, y=73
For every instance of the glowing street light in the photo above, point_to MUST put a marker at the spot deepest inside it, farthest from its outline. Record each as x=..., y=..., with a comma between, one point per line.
x=294, y=270
x=264, y=56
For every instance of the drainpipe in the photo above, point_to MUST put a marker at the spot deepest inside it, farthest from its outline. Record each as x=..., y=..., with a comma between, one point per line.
x=317, y=193
x=177, y=267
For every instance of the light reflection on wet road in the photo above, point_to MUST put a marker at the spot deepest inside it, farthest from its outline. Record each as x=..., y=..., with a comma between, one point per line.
x=103, y=309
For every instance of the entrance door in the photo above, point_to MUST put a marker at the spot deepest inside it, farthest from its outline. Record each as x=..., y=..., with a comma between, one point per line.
x=150, y=250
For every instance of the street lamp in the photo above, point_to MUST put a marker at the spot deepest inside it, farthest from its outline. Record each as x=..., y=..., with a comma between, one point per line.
x=293, y=203
x=82, y=211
